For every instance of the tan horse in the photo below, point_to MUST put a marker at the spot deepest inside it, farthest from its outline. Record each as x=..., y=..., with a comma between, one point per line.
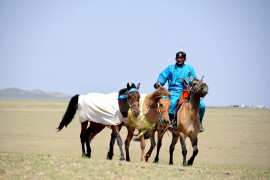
x=188, y=122
x=153, y=108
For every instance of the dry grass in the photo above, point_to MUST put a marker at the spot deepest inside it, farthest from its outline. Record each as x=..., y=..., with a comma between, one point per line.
x=236, y=144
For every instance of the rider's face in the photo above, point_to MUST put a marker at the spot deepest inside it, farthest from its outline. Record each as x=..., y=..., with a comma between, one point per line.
x=180, y=60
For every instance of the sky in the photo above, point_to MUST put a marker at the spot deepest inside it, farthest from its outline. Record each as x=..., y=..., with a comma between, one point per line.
x=83, y=46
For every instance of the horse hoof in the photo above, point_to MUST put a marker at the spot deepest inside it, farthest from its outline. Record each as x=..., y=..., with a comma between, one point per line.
x=122, y=159
x=170, y=163
x=156, y=162
x=184, y=164
x=189, y=163
x=88, y=155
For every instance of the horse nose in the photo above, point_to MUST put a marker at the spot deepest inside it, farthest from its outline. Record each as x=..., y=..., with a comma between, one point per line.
x=135, y=113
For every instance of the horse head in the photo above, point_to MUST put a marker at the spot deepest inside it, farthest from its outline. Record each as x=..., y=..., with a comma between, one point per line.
x=129, y=98
x=198, y=87
x=162, y=97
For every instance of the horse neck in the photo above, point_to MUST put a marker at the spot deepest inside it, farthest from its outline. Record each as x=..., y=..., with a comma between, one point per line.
x=150, y=107
x=195, y=101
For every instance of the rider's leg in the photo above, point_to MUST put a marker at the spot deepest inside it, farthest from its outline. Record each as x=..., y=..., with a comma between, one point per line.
x=201, y=113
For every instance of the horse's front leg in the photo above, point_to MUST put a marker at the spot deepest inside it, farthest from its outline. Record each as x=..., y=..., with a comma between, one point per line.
x=119, y=142
x=112, y=141
x=184, y=149
x=153, y=144
x=194, y=142
x=159, y=144
x=172, y=147
x=127, y=142
x=142, y=148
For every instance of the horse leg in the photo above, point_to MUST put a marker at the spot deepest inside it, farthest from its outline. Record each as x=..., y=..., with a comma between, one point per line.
x=88, y=148
x=159, y=144
x=142, y=148
x=172, y=147
x=92, y=131
x=83, y=136
x=110, y=152
x=153, y=144
x=127, y=142
x=184, y=149
x=119, y=142
x=195, y=151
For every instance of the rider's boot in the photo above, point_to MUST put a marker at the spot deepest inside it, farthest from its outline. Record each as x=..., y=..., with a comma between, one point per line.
x=201, y=126
x=172, y=124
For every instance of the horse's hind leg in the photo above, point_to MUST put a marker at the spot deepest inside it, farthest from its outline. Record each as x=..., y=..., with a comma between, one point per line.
x=88, y=148
x=184, y=149
x=195, y=151
x=83, y=136
x=92, y=131
x=172, y=147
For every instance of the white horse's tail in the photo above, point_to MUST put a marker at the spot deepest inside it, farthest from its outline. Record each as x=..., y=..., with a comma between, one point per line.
x=70, y=112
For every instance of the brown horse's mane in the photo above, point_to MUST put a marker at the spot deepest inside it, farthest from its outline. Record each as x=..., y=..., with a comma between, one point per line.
x=161, y=91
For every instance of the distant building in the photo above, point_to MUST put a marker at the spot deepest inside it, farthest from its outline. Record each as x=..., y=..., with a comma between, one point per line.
x=260, y=107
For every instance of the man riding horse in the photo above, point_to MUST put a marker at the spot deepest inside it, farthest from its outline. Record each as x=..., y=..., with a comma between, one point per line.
x=174, y=74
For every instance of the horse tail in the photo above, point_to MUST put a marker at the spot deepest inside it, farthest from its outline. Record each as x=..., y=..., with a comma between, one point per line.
x=70, y=112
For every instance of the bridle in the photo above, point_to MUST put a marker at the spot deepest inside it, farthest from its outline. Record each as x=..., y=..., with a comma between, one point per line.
x=161, y=112
x=125, y=96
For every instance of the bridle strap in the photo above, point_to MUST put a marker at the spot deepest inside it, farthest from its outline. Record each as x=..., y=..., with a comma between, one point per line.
x=161, y=112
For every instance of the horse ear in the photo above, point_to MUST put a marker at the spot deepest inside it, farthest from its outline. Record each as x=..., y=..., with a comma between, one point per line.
x=128, y=86
x=138, y=86
x=191, y=79
x=202, y=79
x=185, y=82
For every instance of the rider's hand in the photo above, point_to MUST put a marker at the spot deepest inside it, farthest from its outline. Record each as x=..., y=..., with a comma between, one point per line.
x=157, y=85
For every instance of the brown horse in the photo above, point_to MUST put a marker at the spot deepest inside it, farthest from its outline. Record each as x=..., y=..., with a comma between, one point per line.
x=153, y=108
x=102, y=112
x=188, y=122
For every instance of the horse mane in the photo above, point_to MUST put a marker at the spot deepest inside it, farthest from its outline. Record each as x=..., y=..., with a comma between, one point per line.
x=123, y=91
x=161, y=91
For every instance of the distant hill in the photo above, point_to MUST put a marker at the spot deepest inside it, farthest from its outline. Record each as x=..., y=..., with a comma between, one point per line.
x=15, y=93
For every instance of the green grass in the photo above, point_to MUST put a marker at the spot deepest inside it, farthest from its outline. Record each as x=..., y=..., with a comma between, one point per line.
x=40, y=166
x=235, y=145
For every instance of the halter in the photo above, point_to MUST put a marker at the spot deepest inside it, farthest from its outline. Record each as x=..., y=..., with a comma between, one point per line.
x=125, y=96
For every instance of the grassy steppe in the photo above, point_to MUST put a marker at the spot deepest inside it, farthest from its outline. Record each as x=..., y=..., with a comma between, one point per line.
x=236, y=144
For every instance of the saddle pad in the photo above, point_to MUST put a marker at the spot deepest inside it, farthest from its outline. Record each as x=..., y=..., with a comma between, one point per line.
x=139, y=122
x=99, y=108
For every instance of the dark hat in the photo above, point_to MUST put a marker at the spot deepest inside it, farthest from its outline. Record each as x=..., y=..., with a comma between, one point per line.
x=180, y=54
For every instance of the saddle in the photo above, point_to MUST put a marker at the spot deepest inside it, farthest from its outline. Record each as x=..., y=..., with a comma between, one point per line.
x=184, y=98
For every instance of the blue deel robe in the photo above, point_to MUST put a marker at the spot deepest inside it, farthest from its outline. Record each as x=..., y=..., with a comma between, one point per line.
x=174, y=74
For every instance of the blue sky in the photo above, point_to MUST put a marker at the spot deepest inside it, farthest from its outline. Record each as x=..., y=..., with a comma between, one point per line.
x=98, y=46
